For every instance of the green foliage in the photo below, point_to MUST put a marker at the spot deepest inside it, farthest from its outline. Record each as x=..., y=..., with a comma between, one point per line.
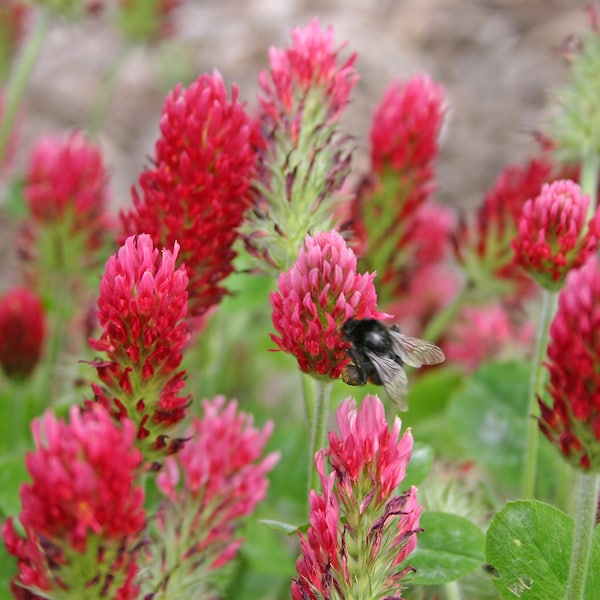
x=449, y=548
x=529, y=547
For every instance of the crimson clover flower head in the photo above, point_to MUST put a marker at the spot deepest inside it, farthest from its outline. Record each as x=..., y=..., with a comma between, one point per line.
x=484, y=245
x=404, y=146
x=553, y=234
x=311, y=63
x=356, y=520
x=306, y=160
x=22, y=332
x=83, y=494
x=406, y=126
x=366, y=455
x=314, y=299
x=199, y=188
x=571, y=420
x=218, y=477
x=66, y=186
x=142, y=308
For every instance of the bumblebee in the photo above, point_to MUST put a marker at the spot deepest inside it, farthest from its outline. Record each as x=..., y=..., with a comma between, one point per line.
x=379, y=353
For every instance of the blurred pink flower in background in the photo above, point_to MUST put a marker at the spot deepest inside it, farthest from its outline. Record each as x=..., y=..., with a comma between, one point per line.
x=142, y=308
x=199, y=187
x=66, y=190
x=358, y=529
x=554, y=235
x=83, y=512
x=318, y=294
x=22, y=332
x=571, y=419
x=483, y=333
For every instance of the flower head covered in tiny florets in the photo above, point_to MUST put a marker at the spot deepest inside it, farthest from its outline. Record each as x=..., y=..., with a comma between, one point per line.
x=83, y=494
x=314, y=299
x=306, y=160
x=356, y=523
x=66, y=190
x=199, y=188
x=554, y=235
x=571, y=420
x=404, y=145
x=215, y=480
x=142, y=309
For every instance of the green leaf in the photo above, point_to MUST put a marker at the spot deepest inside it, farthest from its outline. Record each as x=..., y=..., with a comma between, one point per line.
x=8, y=567
x=285, y=528
x=428, y=398
x=529, y=546
x=419, y=466
x=492, y=407
x=13, y=473
x=449, y=548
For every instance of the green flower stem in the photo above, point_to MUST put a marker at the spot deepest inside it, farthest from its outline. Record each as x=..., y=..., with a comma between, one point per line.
x=452, y=591
x=536, y=388
x=318, y=428
x=20, y=76
x=438, y=325
x=589, y=486
x=308, y=393
x=105, y=92
x=589, y=181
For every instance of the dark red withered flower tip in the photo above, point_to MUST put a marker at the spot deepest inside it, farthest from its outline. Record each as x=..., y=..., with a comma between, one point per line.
x=199, y=188
x=22, y=332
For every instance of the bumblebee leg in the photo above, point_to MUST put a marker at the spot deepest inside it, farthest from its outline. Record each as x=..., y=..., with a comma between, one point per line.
x=353, y=375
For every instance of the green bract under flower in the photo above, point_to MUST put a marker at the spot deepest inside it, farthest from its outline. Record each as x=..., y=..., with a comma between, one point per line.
x=576, y=128
x=306, y=160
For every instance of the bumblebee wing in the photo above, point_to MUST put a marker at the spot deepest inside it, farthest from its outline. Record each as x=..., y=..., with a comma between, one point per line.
x=393, y=378
x=416, y=352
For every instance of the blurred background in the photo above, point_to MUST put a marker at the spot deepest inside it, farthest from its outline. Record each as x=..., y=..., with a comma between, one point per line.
x=497, y=60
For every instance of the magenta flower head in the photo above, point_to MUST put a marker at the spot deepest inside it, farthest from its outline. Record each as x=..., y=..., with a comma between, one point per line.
x=314, y=299
x=22, y=332
x=217, y=478
x=66, y=190
x=406, y=127
x=553, y=234
x=82, y=512
x=483, y=246
x=306, y=160
x=571, y=421
x=358, y=529
x=199, y=188
x=310, y=65
x=404, y=146
x=142, y=308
